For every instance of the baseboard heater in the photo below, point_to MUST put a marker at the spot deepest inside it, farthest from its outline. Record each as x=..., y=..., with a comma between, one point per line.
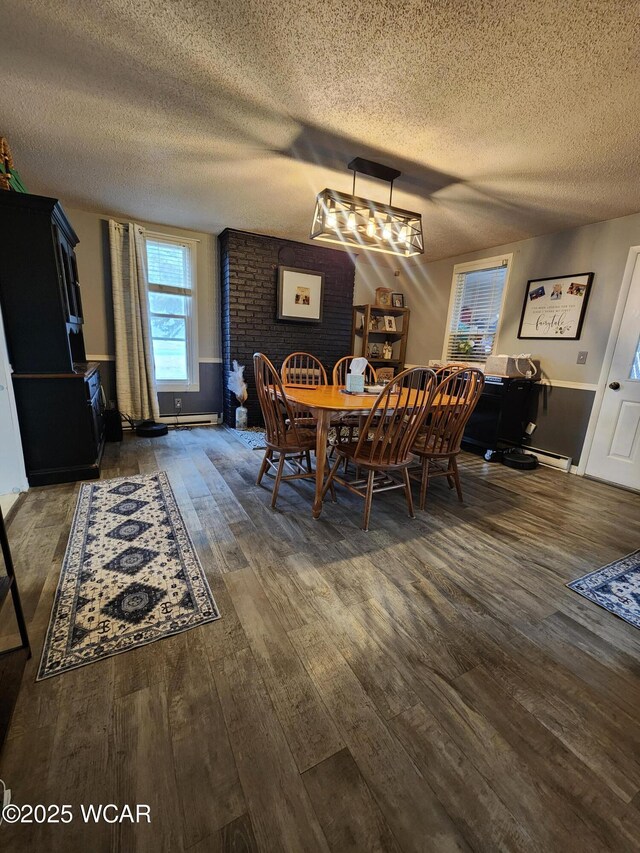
x=205, y=419
x=552, y=460
x=190, y=420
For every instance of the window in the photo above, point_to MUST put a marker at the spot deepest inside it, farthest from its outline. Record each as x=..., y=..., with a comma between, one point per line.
x=477, y=296
x=171, y=265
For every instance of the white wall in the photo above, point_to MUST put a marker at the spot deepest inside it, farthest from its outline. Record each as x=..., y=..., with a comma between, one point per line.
x=12, y=473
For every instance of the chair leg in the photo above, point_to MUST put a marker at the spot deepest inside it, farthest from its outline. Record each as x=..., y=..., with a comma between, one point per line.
x=308, y=455
x=407, y=491
x=456, y=476
x=276, y=485
x=329, y=484
x=265, y=464
x=368, y=500
x=424, y=481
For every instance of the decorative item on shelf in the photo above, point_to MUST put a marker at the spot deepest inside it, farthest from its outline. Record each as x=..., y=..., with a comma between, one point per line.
x=300, y=295
x=9, y=177
x=376, y=226
x=237, y=385
x=374, y=323
x=390, y=324
x=374, y=351
x=387, y=350
x=397, y=300
x=383, y=297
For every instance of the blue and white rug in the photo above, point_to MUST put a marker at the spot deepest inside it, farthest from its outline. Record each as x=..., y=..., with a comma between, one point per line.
x=130, y=575
x=615, y=587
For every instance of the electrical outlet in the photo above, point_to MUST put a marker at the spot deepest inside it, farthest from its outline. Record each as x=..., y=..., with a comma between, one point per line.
x=582, y=357
x=177, y=404
x=529, y=429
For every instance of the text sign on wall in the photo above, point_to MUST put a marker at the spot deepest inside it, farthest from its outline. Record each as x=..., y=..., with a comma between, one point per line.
x=554, y=308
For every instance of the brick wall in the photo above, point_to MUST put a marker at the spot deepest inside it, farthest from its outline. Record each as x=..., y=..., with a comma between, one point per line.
x=249, y=283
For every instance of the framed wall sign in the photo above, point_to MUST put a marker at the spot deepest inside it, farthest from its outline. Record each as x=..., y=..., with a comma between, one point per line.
x=300, y=295
x=554, y=308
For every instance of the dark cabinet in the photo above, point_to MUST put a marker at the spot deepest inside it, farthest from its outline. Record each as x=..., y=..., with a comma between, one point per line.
x=58, y=394
x=499, y=419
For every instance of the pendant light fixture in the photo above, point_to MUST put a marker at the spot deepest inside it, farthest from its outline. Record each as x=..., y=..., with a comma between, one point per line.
x=354, y=221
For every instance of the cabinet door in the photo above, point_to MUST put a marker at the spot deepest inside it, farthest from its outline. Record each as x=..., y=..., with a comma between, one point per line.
x=68, y=277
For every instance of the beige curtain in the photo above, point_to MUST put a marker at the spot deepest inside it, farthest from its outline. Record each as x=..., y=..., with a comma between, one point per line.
x=135, y=374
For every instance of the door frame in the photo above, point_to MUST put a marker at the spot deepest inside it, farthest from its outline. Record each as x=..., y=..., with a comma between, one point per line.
x=623, y=295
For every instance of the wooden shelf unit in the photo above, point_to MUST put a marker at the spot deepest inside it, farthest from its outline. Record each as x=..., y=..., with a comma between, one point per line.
x=363, y=337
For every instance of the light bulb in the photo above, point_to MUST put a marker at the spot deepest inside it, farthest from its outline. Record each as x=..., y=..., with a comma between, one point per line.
x=351, y=221
x=403, y=234
x=386, y=231
x=331, y=218
x=371, y=227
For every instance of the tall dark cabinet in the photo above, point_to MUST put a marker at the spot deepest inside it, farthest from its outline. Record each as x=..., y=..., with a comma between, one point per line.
x=58, y=394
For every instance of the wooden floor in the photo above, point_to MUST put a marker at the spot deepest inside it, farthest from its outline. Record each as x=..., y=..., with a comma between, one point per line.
x=429, y=686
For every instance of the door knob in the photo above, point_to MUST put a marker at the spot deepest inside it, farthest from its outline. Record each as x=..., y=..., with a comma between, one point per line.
x=615, y=386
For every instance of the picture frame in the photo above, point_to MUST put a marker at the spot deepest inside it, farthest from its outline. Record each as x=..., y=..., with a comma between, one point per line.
x=554, y=308
x=397, y=300
x=390, y=323
x=300, y=295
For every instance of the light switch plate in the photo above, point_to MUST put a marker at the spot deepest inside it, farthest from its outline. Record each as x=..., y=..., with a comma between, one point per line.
x=582, y=357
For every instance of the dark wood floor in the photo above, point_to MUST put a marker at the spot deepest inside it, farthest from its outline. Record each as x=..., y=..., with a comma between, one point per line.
x=429, y=686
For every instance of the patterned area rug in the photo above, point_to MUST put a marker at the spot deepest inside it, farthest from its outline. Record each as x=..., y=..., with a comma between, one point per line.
x=130, y=575
x=252, y=437
x=615, y=587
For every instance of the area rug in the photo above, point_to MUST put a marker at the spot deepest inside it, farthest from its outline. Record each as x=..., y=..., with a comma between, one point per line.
x=130, y=575
x=253, y=437
x=615, y=587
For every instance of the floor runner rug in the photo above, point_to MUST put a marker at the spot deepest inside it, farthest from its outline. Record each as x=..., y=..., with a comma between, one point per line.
x=130, y=575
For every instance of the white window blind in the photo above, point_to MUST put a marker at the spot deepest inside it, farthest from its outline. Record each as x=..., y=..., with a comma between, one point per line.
x=170, y=270
x=474, y=314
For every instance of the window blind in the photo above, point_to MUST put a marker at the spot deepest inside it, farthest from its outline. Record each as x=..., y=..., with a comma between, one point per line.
x=475, y=314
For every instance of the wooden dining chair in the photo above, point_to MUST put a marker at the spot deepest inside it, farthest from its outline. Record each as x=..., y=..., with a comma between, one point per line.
x=302, y=368
x=284, y=434
x=339, y=377
x=341, y=368
x=383, y=448
x=440, y=438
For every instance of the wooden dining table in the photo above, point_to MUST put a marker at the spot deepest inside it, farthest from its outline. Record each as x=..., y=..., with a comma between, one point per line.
x=327, y=403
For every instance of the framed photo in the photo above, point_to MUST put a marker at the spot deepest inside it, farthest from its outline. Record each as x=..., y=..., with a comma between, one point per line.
x=389, y=323
x=397, y=300
x=554, y=308
x=300, y=295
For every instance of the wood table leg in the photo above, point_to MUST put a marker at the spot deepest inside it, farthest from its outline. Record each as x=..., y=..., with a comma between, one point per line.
x=322, y=436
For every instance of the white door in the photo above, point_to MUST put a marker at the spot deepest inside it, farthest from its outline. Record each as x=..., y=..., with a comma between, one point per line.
x=12, y=474
x=615, y=452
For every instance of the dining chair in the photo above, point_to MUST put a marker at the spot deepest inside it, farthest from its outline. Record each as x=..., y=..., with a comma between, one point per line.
x=339, y=377
x=284, y=434
x=341, y=368
x=383, y=447
x=302, y=368
x=440, y=438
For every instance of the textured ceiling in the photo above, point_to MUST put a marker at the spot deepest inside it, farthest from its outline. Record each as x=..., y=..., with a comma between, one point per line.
x=507, y=118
